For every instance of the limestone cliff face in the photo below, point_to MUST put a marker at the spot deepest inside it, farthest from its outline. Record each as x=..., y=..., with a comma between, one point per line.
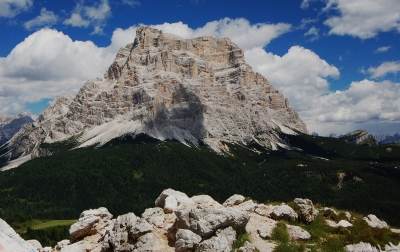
x=169, y=88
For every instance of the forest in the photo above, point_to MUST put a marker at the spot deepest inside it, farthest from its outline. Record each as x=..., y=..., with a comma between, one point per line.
x=127, y=175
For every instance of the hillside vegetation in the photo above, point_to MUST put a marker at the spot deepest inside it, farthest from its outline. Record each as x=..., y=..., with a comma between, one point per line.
x=126, y=175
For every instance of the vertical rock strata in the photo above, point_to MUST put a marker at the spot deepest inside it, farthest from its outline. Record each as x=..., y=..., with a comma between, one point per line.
x=169, y=88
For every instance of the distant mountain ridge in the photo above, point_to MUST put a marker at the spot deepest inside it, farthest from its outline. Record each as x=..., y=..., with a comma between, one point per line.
x=9, y=125
x=168, y=88
x=385, y=139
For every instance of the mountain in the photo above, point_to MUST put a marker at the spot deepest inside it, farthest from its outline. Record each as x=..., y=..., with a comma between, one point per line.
x=9, y=125
x=166, y=87
x=385, y=139
x=359, y=137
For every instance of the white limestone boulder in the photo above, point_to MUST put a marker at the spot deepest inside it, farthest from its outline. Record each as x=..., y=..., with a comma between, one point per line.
x=205, y=201
x=361, y=247
x=221, y=242
x=186, y=240
x=298, y=233
x=91, y=222
x=374, y=222
x=235, y=199
x=35, y=243
x=11, y=241
x=205, y=222
x=283, y=212
x=154, y=216
x=171, y=200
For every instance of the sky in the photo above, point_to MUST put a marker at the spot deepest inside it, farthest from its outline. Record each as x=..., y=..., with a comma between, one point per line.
x=337, y=61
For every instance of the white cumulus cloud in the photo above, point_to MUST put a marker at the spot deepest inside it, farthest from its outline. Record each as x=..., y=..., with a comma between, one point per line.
x=11, y=8
x=384, y=68
x=95, y=16
x=45, y=19
x=363, y=18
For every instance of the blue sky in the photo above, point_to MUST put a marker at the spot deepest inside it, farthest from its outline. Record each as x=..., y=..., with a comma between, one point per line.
x=337, y=61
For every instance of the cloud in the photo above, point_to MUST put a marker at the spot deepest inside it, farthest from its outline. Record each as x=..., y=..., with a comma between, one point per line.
x=95, y=16
x=45, y=19
x=47, y=64
x=11, y=8
x=363, y=101
x=238, y=30
x=382, y=49
x=300, y=74
x=384, y=69
x=313, y=32
x=362, y=18
x=306, y=3
x=131, y=3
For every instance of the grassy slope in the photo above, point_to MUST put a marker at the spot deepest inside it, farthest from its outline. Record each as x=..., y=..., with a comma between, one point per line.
x=127, y=176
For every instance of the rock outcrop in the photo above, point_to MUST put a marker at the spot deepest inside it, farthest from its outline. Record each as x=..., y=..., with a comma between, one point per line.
x=359, y=137
x=196, y=223
x=307, y=210
x=167, y=87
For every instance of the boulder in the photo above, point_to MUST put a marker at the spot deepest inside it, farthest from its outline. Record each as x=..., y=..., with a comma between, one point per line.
x=344, y=223
x=35, y=243
x=149, y=242
x=248, y=206
x=11, y=241
x=154, y=216
x=374, y=222
x=283, y=212
x=247, y=247
x=221, y=242
x=307, y=210
x=127, y=229
x=171, y=200
x=361, y=247
x=205, y=201
x=91, y=222
x=330, y=209
x=186, y=240
x=298, y=233
x=62, y=244
x=205, y=222
x=263, y=210
x=348, y=215
x=235, y=199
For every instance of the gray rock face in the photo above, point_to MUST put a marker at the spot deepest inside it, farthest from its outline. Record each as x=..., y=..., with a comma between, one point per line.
x=308, y=212
x=235, y=199
x=168, y=88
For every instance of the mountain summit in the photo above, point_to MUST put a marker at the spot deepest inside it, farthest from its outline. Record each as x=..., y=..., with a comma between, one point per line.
x=168, y=88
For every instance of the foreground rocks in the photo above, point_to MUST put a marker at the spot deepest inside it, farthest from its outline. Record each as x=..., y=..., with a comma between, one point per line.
x=181, y=223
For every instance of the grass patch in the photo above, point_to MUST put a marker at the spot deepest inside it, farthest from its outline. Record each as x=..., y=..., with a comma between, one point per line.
x=280, y=234
x=53, y=223
x=287, y=247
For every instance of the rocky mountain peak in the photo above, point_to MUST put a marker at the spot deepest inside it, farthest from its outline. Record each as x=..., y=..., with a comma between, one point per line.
x=9, y=125
x=168, y=88
x=359, y=137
